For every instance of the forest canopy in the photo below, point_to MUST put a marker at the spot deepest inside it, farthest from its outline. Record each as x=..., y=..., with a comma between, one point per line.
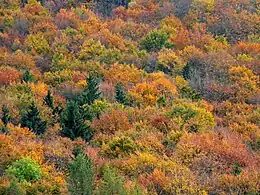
x=129, y=97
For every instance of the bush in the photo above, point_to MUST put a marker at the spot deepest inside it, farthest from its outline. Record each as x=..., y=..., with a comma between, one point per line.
x=25, y=170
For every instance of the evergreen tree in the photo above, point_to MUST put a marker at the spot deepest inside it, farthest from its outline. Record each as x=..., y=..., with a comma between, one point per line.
x=48, y=100
x=236, y=169
x=5, y=115
x=73, y=123
x=91, y=93
x=112, y=183
x=27, y=77
x=120, y=94
x=32, y=120
x=81, y=176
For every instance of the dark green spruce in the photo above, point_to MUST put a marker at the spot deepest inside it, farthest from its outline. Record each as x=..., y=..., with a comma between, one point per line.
x=120, y=96
x=91, y=93
x=33, y=121
x=6, y=118
x=73, y=122
x=27, y=77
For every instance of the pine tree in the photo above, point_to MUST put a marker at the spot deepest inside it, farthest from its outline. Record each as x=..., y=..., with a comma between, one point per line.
x=120, y=94
x=91, y=93
x=5, y=116
x=73, y=123
x=27, y=77
x=48, y=100
x=81, y=176
x=32, y=120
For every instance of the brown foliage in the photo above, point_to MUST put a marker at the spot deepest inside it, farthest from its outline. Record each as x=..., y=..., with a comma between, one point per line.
x=111, y=122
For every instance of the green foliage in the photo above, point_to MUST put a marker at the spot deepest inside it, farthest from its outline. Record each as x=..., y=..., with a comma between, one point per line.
x=25, y=170
x=161, y=101
x=154, y=41
x=192, y=117
x=33, y=121
x=111, y=183
x=38, y=43
x=94, y=50
x=59, y=62
x=57, y=77
x=77, y=150
x=3, y=130
x=27, y=77
x=254, y=38
x=91, y=93
x=95, y=109
x=236, y=169
x=120, y=146
x=110, y=56
x=120, y=96
x=81, y=176
x=15, y=188
x=22, y=96
x=73, y=122
x=48, y=100
x=6, y=118
x=185, y=113
x=188, y=92
x=172, y=139
x=91, y=50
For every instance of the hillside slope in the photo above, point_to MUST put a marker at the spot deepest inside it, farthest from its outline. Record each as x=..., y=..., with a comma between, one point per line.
x=129, y=97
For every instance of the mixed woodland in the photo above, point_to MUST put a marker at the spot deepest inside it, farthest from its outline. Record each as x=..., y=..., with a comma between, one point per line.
x=129, y=97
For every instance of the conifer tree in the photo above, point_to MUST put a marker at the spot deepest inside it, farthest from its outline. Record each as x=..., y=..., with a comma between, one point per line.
x=48, y=100
x=120, y=94
x=81, y=176
x=91, y=93
x=5, y=115
x=112, y=183
x=33, y=121
x=73, y=123
x=27, y=77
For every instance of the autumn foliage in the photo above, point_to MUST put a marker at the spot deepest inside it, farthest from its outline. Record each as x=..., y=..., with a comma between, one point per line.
x=141, y=96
